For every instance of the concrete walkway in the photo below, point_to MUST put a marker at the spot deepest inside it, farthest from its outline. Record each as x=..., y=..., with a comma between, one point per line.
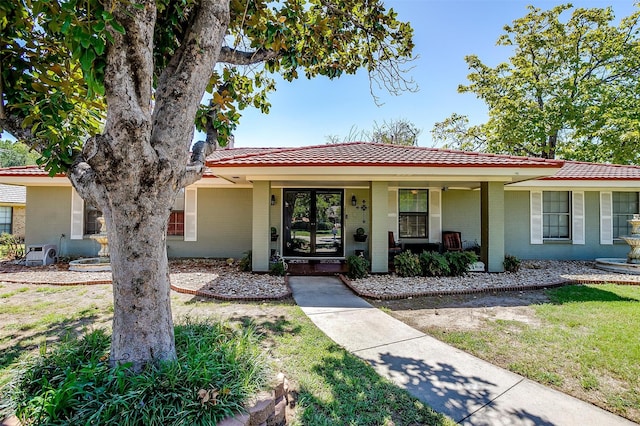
x=468, y=389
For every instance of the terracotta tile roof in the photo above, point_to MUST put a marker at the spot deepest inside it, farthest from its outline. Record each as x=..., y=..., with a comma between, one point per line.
x=35, y=171
x=574, y=170
x=13, y=194
x=24, y=171
x=369, y=154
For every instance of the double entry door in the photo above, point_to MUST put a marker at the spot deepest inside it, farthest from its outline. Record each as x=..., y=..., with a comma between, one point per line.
x=313, y=223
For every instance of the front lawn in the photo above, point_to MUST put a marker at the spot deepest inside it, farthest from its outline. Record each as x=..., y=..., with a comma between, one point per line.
x=587, y=344
x=333, y=386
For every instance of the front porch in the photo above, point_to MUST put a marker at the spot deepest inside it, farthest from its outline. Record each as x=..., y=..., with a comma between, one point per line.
x=372, y=206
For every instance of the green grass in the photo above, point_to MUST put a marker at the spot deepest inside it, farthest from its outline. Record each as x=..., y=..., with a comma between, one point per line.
x=14, y=292
x=588, y=344
x=336, y=387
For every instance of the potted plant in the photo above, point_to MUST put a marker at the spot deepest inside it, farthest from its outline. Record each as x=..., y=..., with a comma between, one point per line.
x=360, y=236
x=274, y=234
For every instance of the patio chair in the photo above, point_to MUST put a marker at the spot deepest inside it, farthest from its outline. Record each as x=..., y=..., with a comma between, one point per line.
x=394, y=246
x=452, y=241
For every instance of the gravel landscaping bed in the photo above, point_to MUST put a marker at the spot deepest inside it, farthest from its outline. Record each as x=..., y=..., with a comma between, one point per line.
x=216, y=279
x=532, y=274
x=201, y=277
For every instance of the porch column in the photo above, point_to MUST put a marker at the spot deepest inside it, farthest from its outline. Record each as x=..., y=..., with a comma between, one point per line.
x=260, y=231
x=492, y=221
x=379, y=227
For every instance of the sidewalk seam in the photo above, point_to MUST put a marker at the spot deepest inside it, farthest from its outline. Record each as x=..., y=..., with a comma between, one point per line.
x=491, y=401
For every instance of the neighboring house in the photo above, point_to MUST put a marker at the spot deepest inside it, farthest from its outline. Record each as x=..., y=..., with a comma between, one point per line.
x=12, y=209
x=317, y=197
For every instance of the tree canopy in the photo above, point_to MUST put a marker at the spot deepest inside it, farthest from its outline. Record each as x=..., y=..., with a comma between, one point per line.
x=54, y=59
x=569, y=90
x=396, y=132
x=109, y=93
x=16, y=154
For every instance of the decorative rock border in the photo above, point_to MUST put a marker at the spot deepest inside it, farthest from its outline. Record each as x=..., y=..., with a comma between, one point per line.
x=561, y=283
x=177, y=288
x=267, y=409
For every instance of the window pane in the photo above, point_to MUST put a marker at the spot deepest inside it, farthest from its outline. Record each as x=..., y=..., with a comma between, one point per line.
x=413, y=226
x=91, y=225
x=625, y=205
x=5, y=219
x=176, y=223
x=556, y=214
x=413, y=200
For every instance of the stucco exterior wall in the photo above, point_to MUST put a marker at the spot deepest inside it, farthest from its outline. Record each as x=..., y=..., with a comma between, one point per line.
x=224, y=225
x=48, y=221
x=356, y=218
x=517, y=233
x=461, y=212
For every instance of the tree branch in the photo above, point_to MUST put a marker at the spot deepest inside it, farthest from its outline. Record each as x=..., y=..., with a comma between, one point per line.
x=188, y=74
x=238, y=57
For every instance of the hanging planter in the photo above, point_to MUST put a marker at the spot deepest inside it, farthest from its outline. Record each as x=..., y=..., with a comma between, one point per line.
x=360, y=236
x=274, y=234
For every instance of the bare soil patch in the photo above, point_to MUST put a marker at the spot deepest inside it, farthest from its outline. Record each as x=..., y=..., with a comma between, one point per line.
x=464, y=312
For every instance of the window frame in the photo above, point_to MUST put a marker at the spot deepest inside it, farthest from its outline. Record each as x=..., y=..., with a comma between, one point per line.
x=413, y=214
x=4, y=225
x=615, y=216
x=568, y=214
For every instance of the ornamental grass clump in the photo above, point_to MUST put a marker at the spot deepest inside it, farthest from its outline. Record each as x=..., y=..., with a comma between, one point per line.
x=218, y=368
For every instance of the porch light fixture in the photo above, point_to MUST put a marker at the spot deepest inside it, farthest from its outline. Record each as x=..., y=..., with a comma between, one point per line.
x=354, y=202
x=273, y=200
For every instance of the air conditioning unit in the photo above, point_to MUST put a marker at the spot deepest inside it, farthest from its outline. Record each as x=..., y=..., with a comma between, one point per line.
x=38, y=255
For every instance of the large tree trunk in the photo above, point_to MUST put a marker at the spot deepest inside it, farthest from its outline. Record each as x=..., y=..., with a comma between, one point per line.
x=142, y=322
x=135, y=169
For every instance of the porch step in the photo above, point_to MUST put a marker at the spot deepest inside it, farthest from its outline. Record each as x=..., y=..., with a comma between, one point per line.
x=317, y=268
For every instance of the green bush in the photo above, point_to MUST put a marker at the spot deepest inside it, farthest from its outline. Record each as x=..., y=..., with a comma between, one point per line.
x=11, y=247
x=357, y=267
x=459, y=261
x=511, y=263
x=246, y=263
x=407, y=264
x=278, y=269
x=217, y=369
x=434, y=264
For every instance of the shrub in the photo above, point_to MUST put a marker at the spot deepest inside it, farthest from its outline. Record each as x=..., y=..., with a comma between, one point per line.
x=218, y=368
x=407, y=264
x=11, y=247
x=278, y=269
x=511, y=263
x=459, y=261
x=246, y=263
x=433, y=264
x=357, y=267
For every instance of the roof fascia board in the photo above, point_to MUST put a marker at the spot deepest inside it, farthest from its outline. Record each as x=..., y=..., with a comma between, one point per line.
x=368, y=178
x=572, y=184
x=532, y=172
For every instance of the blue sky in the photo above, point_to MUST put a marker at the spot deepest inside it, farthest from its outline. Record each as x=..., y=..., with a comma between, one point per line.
x=304, y=112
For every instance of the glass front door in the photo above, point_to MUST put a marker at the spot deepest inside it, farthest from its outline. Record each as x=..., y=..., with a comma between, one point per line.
x=313, y=222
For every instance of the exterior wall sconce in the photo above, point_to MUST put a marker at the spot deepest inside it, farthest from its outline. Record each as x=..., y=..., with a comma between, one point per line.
x=354, y=202
x=273, y=200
